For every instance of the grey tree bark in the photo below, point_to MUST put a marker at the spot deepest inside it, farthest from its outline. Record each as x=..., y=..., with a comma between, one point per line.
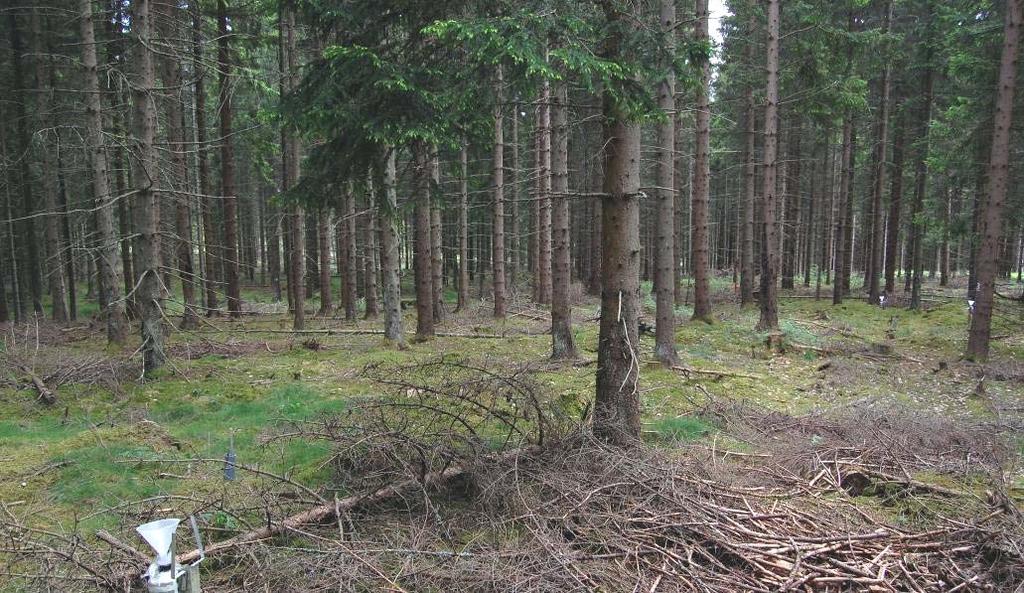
x=770, y=249
x=563, y=345
x=665, y=255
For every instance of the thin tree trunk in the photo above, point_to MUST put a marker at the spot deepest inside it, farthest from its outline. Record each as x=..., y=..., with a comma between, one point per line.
x=498, y=221
x=227, y=163
x=108, y=259
x=54, y=258
x=878, y=176
x=370, y=248
x=351, y=282
x=389, y=255
x=146, y=208
x=463, y=297
x=563, y=345
x=701, y=177
x=747, y=272
x=895, y=205
x=791, y=228
x=324, y=236
x=920, y=185
x=544, y=242
x=422, y=263
x=515, y=262
x=770, y=251
x=665, y=266
x=998, y=175
x=436, y=253
x=205, y=186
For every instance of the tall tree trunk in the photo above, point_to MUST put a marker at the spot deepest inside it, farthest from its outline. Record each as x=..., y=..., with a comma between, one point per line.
x=617, y=400
x=770, y=251
x=370, y=247
x=290, y=165
x=920, y=184
x=544, y=241
x=351, y=282
x=998, y=176
x=227, y=163
x=895, y=205
x=791, y=227
x=54, y=258
x=323, y=220
x=205, y=186
x=389, y=251
x=109, y=261
x=665, y=266
x=422, y=263
x=170, y=73
x=747, y=272
x=498, y=224
x=463, y=297
x=812, y=226
x=30, y=282
x=701, y=176
x=436, y=252
x=563, y=345
x=146, y=208
x=878, y=176
x=515, y=262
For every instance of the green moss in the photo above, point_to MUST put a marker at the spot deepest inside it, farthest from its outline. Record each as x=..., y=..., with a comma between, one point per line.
x=680, y=428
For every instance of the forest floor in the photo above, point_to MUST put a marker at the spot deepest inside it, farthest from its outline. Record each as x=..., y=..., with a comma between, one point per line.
x=881, y=394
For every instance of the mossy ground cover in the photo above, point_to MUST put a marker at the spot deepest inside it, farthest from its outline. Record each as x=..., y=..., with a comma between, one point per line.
x=96, y=449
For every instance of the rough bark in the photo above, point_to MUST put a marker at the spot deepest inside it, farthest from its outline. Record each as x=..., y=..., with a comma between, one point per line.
x=701, y=177
x=146, y=209
x=290, y=165
x=998, y=177
x=323, y=221
x=421, y=255
x=544, y=199
x=665, y=265
x=563, y=345
x=463, y=288
x=108, y=259
x=770, y=251
x=351, y=282
x=227, y=163
x=436, y=250
x=56, y=281
x=498, y=220
x=370, y=259
x=895, y=206
x=617, y=400
x=878, y=176
x=747, y=272
x=389, y=255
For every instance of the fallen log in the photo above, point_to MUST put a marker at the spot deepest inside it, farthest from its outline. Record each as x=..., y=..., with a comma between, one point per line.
x=45, y=393
x=689, y=371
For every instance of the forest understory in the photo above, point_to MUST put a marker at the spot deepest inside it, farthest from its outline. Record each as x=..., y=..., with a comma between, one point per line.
x=864, y=454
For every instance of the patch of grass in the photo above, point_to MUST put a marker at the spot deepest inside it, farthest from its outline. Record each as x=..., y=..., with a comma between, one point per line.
x=680, y=428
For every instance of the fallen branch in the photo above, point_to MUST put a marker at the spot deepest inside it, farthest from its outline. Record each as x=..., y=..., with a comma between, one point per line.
x=689, y=371
x=335, y=508
x=45, y=393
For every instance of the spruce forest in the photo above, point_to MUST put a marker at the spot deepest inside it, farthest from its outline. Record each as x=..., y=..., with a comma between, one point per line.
x=536, y=296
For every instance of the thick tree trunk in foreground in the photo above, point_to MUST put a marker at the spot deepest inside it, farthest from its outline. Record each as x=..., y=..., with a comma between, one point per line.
x=389, y=255
x=563, y=345
x=227, y=164
x=665, y=258
x=146, y=208
x=421, y=256
x=701, y=177
x=770, y=250
x=498, y=220
x=998, y=175
x=617, y=400
x=108, y=259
